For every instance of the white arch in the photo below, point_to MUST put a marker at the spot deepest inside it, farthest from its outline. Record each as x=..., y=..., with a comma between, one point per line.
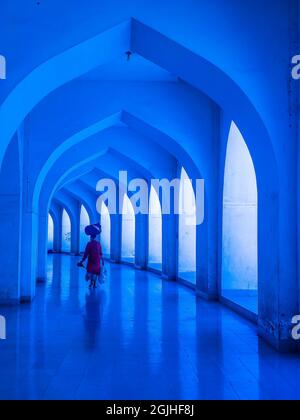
x=106, y=230
x=50, y=232
x=128, y=231
x=66, y=232
x=84, y=221
x=187, y=230
x=2, y=67
x=155, y=231
x=2, y=328
x=240, y=225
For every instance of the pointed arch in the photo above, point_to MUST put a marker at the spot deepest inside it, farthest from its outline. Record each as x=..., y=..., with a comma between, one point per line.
x=128, y=231
x=2, y=67
x=187, y=230
x=66, y=232
x=84, y=221
x=50, y=233
x=106, y=230
x=240, y=225
x=155, y=231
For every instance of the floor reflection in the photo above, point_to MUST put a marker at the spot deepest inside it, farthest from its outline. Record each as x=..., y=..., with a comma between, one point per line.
x=135, y=337
x=94, y=308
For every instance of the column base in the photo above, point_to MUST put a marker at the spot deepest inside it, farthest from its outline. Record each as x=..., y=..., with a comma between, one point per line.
x=27, y=299
x=113, y=261
x=140, y=268
x=282, y=346
x=168, y=277
x=210, y=297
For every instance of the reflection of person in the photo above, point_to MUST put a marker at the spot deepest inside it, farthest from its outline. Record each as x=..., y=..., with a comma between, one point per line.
x=95, y=301
x=93, y=253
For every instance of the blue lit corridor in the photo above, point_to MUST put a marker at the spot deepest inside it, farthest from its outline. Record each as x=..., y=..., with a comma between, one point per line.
x=137, y=337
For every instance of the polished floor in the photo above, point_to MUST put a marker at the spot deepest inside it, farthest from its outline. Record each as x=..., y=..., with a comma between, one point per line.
x=136, y=337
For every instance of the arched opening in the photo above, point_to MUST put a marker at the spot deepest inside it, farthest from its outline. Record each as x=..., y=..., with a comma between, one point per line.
x=50, y=233
x=128, y=231
x=66, y=232
x=240, y=226
x=214, y=84
x=106, y=226
x=187, y=230
x=155, y=231
x=84, y=221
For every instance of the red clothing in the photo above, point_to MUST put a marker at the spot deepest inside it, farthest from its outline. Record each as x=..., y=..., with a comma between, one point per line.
x=93, y=253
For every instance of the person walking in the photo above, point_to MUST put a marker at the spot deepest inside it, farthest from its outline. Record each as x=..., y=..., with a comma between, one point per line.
x=93, y=253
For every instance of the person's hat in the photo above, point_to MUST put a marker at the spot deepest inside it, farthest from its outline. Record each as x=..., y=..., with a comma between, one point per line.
x=93, y=230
